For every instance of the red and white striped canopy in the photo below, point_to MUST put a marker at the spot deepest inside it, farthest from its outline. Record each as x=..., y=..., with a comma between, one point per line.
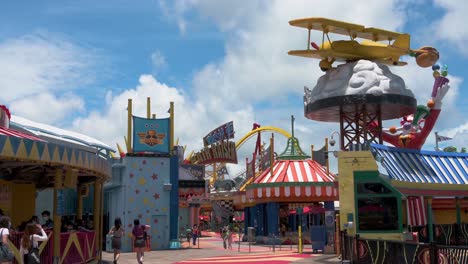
x=14, y=133
x=293, y=180
x=285, y=171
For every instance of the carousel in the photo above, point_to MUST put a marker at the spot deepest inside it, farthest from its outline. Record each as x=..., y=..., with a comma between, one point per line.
x=33, y=161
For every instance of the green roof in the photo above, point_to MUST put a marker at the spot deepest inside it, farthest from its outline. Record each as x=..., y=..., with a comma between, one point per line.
x=293, y=151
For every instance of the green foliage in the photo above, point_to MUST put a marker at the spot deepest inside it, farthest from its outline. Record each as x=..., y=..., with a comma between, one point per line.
x=450, y=149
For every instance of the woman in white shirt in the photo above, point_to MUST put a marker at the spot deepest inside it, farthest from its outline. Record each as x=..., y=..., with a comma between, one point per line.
x=30, y=240
x=5, y=225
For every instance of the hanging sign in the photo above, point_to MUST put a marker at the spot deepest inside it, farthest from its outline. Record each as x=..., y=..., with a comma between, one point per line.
x=224, y=151
x=221, y=133
x=151, y=135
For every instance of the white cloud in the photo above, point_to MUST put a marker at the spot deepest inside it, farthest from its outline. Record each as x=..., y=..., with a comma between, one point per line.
x=255, y=70
x=256, y=81
x=451, y=26
x=47, y=108
x=37, y=63
x=192, y=119
x=158, y=60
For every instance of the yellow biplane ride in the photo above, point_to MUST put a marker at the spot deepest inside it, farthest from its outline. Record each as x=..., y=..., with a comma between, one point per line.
x=350, y=50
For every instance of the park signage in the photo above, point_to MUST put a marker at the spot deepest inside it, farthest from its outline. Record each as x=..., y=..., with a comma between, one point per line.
x=223, y=151
x=221, y=133
x=151, y=135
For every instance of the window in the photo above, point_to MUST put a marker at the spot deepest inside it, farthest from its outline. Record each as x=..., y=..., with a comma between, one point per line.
x=378, y=214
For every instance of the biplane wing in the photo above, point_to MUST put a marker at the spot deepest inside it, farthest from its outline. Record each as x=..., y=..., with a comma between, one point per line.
x=377, y=34
x=327, y=25
x=321, y=54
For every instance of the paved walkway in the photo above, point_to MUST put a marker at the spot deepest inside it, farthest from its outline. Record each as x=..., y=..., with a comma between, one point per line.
x=211, y=250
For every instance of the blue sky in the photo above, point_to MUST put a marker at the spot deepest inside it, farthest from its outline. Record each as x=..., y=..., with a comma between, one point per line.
x=74, y=63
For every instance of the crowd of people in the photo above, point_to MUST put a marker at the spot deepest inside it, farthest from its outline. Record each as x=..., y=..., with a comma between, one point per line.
x=33, y=233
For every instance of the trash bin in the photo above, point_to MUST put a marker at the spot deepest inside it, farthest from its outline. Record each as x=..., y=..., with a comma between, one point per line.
x=109, y=243
x=251, y=234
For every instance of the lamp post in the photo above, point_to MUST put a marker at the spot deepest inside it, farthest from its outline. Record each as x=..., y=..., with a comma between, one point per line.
x=333, y=141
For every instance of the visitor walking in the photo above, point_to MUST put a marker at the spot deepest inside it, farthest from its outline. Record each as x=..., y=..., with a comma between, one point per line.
x=29, y=246
x=6, y=254
x=139, y=242
x=195, y=233
x=229, y=238
x=117, y=232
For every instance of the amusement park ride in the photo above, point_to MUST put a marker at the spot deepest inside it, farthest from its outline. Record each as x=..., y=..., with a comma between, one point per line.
x=369, y=49
x=356, y=103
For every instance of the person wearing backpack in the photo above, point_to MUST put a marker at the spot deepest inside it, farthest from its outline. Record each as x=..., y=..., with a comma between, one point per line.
x=6, y=254
x=29, y=246
x=139, y=236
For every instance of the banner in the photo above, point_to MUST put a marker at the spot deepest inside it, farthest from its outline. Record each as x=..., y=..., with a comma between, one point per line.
x=151, y=135
x=266, y=159
x=224, y=151
x=320, y=156
x=250, y=170
x=221, y=133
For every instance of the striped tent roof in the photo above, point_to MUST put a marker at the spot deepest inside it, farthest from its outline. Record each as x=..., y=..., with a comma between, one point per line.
x=13, y=133
x=295, y=171
x=420, y=166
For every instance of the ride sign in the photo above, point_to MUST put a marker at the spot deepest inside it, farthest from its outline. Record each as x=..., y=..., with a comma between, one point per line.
x=221, y=133
x=224, y=151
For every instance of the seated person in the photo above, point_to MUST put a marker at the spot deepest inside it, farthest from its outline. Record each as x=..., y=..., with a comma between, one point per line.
x=80, y=226
x=48, y=223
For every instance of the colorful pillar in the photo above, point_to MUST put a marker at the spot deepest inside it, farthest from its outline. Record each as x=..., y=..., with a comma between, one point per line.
x=174, y=202
x=97, y=213
x=57, y=213
x=272, y=212
x=79, y=205
x=430, y=227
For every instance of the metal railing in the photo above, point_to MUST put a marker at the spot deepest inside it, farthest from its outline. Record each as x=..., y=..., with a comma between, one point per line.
x=358, y=250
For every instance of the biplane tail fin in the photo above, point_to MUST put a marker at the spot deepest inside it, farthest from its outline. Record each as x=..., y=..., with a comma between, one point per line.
x=402, y=41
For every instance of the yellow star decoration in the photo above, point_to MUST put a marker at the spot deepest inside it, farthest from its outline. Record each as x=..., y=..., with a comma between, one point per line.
x=155, y=162
x=131, y=199
x=129, y=234
x=148, y=220
x=134, y=165
x=145, y=201
x=142, y=181
x=152, y=205
x=164, y=209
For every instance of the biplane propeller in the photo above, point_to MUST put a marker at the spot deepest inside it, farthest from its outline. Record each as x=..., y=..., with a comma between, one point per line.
x=350, y=50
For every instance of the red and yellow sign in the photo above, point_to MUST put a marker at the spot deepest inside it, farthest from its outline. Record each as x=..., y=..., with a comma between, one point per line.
x=224, y=151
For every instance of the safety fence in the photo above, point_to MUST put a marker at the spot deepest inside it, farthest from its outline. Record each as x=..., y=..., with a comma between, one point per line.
x=358, y=250
x=453, y=235
x=75, y=247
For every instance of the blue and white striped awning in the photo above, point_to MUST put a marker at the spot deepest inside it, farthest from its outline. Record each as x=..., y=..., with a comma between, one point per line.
x=423, y=166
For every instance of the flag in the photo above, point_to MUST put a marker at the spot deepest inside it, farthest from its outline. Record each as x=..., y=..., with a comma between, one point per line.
x=266, y=159
x=443, y=138
x=320, y=156
x=416, y=211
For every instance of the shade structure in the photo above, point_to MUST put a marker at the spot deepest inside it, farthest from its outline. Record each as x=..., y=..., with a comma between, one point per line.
x=421, y=172
x=294, y=180
x=14, y=133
